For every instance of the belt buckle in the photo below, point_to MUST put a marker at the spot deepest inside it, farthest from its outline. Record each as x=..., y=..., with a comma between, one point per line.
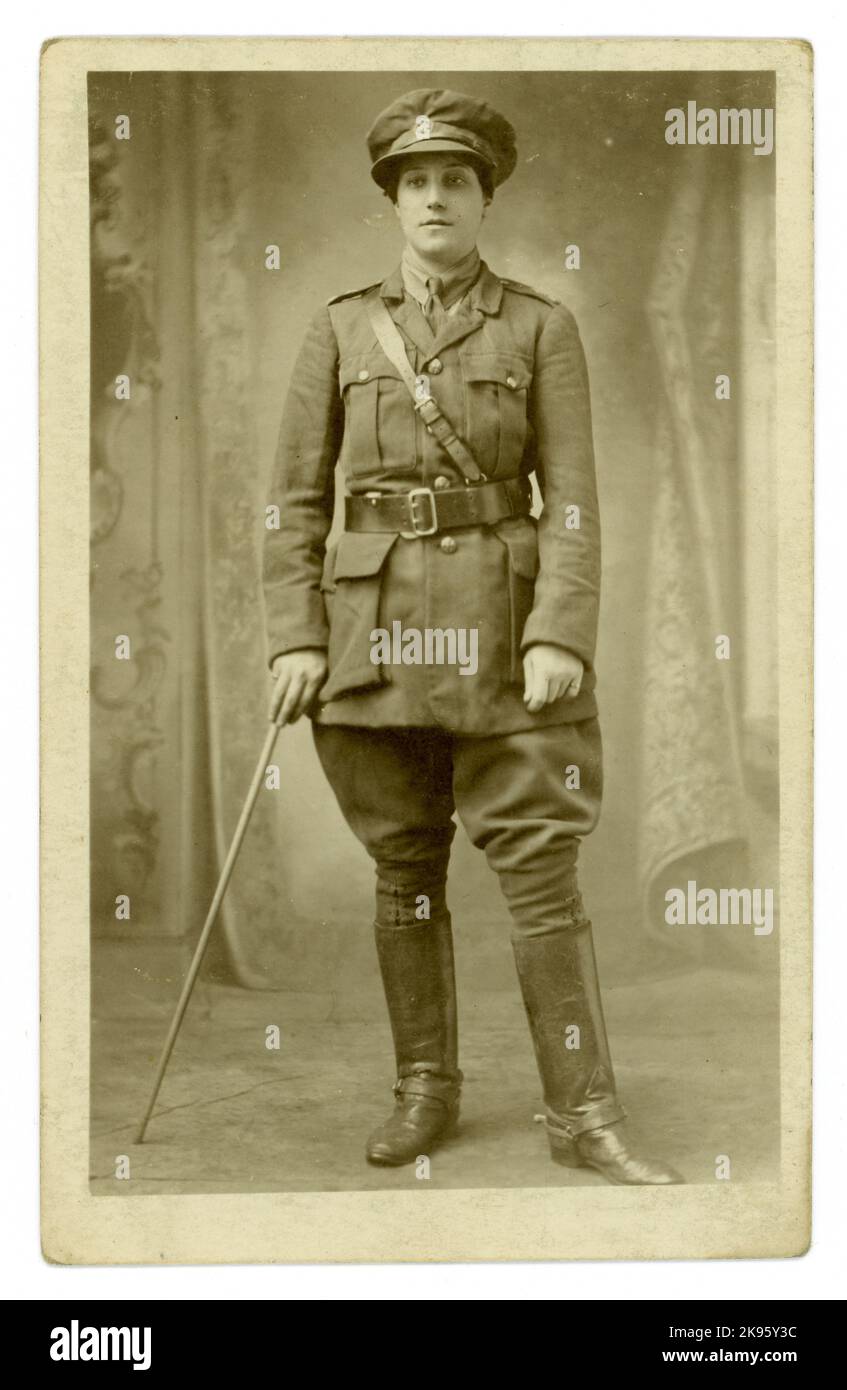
x=418, y=529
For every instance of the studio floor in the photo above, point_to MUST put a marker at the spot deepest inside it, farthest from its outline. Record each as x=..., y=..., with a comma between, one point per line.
x=696, y=1061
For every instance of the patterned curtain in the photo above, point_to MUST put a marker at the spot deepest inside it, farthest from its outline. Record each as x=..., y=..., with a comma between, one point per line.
x=692, y=818
x=178, y=511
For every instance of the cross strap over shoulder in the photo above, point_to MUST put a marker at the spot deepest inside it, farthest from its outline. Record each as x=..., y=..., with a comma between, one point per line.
x=389, y=339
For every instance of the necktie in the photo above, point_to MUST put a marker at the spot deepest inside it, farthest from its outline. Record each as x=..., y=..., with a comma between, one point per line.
x=434, y=311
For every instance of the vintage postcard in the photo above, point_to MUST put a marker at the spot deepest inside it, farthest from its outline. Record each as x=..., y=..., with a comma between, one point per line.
x=426, y=627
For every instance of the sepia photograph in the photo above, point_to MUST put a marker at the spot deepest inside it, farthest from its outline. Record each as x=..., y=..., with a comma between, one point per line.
x=437, y=596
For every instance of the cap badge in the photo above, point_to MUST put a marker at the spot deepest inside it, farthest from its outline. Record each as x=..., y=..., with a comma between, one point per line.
x=423, y=128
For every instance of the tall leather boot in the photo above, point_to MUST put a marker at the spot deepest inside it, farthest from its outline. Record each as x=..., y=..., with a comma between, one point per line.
x=416, y=963
x=585, y=1122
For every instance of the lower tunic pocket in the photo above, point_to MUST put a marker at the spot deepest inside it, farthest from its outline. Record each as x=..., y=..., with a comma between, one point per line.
x=351, y=587
x=520, y=540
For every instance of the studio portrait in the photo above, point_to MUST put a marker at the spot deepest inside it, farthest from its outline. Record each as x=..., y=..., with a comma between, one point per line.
x=434, y=666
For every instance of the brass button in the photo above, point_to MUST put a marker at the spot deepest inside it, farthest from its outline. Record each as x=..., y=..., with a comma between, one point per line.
x=511, y=382
x=435, y=366
x=448, y=545
x=441, y=483
x=364, y=374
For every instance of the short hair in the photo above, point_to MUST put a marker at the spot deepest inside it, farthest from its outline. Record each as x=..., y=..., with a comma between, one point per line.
x=482, y=170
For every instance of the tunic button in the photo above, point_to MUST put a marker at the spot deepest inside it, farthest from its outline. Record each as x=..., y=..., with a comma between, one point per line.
x=435, y=366
x=511, y=382
x=441, y=483
x=448, y=545
x=364, y=374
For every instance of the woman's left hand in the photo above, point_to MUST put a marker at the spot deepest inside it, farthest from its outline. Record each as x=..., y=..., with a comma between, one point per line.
x=549, y=673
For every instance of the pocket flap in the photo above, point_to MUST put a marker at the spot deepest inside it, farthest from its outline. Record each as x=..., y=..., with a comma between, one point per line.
x=360, y=553
x=365, y=367
x=503, y=367
x=522, y=544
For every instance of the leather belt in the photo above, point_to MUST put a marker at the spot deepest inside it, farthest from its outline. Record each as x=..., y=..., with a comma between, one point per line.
x=423, y=511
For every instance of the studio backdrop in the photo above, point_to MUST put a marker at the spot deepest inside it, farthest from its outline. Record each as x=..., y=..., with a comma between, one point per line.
x=665, y=256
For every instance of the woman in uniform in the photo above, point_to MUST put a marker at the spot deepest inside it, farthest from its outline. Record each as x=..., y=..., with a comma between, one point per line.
x=441, y=390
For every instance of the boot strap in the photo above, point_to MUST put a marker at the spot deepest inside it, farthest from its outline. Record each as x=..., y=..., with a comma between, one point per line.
x=424, y=1086
x=608, y=1113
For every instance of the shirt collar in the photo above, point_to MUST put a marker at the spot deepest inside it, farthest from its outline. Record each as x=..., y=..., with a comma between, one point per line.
x=486, y=292
x=458, y=278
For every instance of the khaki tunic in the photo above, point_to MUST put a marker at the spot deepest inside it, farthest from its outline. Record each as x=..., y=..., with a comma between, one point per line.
x=509, y=372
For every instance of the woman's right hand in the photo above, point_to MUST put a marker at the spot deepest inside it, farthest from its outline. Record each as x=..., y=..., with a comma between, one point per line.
x=298, y=676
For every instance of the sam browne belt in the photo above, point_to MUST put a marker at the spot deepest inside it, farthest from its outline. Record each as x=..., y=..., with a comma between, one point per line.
x=422, y=512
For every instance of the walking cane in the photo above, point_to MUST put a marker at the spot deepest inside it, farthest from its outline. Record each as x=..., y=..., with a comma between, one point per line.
x=226, y=874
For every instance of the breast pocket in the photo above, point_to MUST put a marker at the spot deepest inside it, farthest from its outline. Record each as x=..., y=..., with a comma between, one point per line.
x=496, y=386
x=379, y=418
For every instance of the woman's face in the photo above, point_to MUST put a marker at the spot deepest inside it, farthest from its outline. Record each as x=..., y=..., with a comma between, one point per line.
x=440, y=206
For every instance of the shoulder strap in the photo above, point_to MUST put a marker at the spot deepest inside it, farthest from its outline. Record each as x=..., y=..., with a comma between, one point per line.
x=528, y=290
x=389, y=339
x=352, y=294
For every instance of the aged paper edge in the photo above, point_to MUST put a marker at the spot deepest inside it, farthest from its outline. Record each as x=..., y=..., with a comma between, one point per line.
x=692, y=1222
